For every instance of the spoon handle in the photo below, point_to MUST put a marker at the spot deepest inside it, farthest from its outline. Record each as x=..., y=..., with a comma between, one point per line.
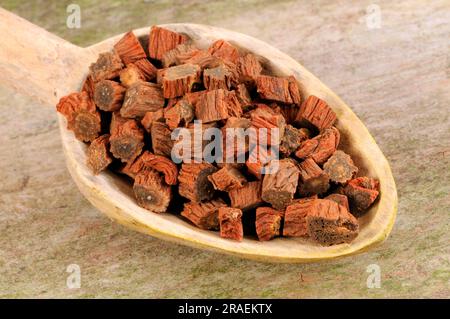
x=37, y=63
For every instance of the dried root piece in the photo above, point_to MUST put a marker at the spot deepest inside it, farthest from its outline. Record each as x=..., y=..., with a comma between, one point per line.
x=151, y=192
x=263, y=117
x=203, y=59
x=204, y=215
x=146, y=69
x=179, y=80
x=151, y=117
x=130, y=75
x=294, y=90
x=361, y=192
x=292, y=139
x=147, y=160
x=227, y=179
x=224, y=50
x=98, y=157
x=235, y=138
x=140, y=98
x=321, y=147
x=162, y=142
x=108, y=95
x=249, y=68
x=268, y=222
x=194, y=183
x=88, y=86
x=230, y=220
x=259, y=157
x=82, y=117
x=217, y=105
x=179, y=115
x=290, y=113
x=243, y=96
x=162, y=40
x=316, y=112
x=329, y=223
x=313, y=179
x=107, y=67
x=295, y=217
x=340, y=167
x=220, y=77
x=141, y=70
x=280, y=185
x=278, y=89
x=127, y=138
x=340, y=199
x=179, y=54
x=130, y=49
x=246, y=197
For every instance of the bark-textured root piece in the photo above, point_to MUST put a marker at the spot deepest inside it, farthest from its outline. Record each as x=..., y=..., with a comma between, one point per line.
x=181, y=114
x=313, y=180
x=230, y=220
x=227, y=178
x=321, y=147
x=224, y=50
x=140, y=98
x=97, y=155
x=203, y=215
x=129, y=48
x=268, y=222
x=316, y=112
x=340, y=167
x=107, y=67
x=193, y=181
x=127, y=138
x=162, y=142
x=279, y=186
x=108, y=95
x=329, y=223
x=217, y=105
x=292, y=138
x=179, y=80
x=246, y=197
x=361, y=192
x=151, y=192
x=162, y=40
x=295, y=217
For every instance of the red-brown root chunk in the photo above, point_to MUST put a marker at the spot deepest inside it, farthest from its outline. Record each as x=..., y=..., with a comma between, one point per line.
x=181, y=114
x=340, y=167
x=203, y=215
x=316, y=112
x=329, y=223
x=129, y=48
x=280, y=185
x=268, y=222
x=224, y=50
x=230, y=220
x=151, y=192
x=246, y=197
x=295, y=217
x=162, y=142
x=361, y=192
x=127, y=138
x=140, y=98
x=313, y=180
x=108, y=95
x=292, y=138
x=81, y=115
x=151, y=117
x=193, y=181
x=278, y=89
x=162, y=40
x=340, y=199
x=227, y=178
x=179, y=80
x=321, y=147
x=217, y=105
x=107, y=67
x=97, y=155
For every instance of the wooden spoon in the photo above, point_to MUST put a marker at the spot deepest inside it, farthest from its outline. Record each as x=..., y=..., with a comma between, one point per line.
x=46, y=67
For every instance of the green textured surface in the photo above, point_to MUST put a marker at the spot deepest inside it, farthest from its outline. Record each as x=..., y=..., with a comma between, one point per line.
x=396, y=78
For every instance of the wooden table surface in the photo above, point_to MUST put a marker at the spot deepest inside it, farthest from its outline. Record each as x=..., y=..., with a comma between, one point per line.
x=393, y=69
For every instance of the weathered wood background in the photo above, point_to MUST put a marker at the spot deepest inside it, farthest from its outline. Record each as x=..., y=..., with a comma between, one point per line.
x=395, y=76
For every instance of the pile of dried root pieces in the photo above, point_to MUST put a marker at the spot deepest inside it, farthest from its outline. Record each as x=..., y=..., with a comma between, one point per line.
x=133, y=99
